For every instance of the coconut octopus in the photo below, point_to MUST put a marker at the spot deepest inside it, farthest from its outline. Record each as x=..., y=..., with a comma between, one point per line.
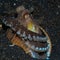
x=26, y=33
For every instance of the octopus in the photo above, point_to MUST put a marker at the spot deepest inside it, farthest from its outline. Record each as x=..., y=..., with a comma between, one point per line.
x=26, y=33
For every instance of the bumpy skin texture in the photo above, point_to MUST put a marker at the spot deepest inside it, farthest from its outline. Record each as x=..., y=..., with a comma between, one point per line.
x=30, y=36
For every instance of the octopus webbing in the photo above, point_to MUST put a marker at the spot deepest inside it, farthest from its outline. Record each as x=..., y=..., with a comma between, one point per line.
x=30, y=33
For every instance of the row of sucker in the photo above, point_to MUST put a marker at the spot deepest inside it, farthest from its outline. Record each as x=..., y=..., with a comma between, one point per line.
x=21, y=31
x=24, y=33
x=36, y=42
x=36, y=55
x=36, y=48
x=28, y=36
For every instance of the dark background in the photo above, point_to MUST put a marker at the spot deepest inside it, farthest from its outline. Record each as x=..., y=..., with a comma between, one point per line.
x=46, y=12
